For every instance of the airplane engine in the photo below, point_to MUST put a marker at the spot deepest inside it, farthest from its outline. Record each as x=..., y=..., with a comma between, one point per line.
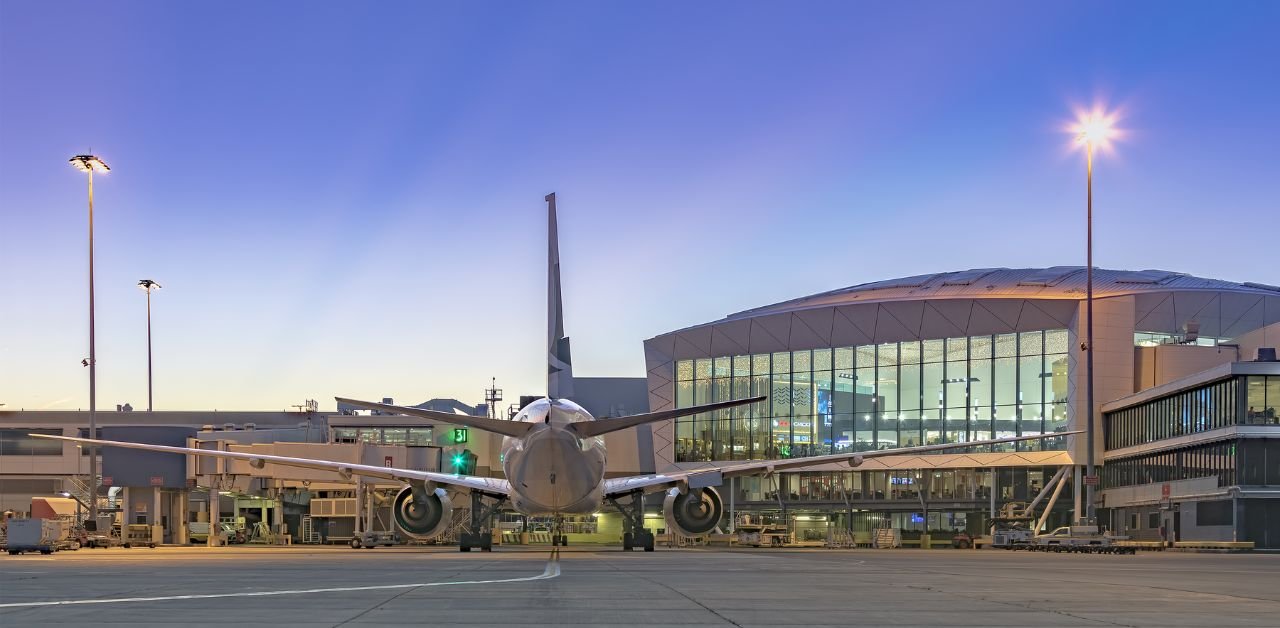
x=422, y=519
x=696, y=512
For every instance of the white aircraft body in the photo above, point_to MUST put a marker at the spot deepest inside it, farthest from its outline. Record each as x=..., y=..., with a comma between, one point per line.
x=554, y=458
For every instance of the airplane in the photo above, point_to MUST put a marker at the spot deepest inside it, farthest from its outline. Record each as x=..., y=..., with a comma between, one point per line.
x=553, y=457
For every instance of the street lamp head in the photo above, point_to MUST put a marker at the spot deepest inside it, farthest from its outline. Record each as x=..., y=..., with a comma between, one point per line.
x=1095, y=129
x=89, y=163
x=148, y=284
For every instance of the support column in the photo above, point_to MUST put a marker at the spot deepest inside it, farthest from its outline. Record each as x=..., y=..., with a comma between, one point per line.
x=991, y=490
x=1081, y=516
x=183, y=513
x=214, y=529
x=733, y=493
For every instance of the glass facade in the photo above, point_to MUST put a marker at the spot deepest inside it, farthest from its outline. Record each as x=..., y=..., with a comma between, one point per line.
x=1262, y=397
x=899, y=394
x=1192, y=411
x=1196, y=461
x=411, y=436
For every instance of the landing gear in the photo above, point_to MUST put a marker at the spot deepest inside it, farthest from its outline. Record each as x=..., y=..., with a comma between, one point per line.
x=634, y=535
x=479, y=534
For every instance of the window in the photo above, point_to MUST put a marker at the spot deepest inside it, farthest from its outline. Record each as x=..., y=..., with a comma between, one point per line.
x=865, y=397
x=1214, y=513
x=16, y=442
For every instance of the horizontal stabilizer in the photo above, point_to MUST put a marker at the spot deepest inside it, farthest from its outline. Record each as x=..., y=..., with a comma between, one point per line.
x=598, y=427
x=514, y=429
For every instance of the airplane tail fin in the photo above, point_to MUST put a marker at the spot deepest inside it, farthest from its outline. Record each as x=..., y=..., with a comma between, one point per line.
x=559, y=361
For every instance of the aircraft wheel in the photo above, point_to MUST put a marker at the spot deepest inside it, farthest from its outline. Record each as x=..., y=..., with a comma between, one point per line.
x=355, y=543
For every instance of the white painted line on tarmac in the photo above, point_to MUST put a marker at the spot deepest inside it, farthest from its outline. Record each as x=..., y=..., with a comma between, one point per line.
x=552, y=570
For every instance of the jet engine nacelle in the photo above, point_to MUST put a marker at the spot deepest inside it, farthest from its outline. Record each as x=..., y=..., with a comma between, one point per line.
x=422, y=518
x=697, y=511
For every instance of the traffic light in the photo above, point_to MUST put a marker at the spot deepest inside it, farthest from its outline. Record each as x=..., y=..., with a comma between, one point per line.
x=464, y=462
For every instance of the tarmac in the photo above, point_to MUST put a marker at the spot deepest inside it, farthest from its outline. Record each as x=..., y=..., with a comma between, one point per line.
x=604, y=586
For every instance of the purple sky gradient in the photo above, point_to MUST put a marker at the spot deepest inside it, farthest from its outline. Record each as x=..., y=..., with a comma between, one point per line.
x=348, y=200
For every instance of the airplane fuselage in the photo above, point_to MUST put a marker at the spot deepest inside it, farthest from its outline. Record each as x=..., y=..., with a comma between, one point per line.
x=551, y=469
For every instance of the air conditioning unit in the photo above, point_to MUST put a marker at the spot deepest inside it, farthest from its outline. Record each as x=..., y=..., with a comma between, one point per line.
x=1266, y=354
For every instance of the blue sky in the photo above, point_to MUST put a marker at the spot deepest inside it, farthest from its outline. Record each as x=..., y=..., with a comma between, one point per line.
x=347, y=199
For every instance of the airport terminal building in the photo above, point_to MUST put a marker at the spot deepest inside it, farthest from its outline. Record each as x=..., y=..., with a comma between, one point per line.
x=952, y=357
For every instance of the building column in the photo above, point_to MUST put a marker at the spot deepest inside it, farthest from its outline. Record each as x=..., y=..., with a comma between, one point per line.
x=214, y=528
x=1080, y=516
x=183, y=506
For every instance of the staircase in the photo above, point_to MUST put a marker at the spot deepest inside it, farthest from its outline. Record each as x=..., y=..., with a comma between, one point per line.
x=460, y=522
x=307, y=531
x=885, y=538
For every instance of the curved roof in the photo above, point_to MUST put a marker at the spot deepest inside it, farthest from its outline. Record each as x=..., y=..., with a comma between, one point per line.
x=1056, y=282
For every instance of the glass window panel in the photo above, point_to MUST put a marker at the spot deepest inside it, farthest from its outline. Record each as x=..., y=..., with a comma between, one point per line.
x=909, y=428
x=931, y=351
x=865, y=356
x=801, y=361
x=931, y=386
x=684, y=370
x=760, y=364
x=1030, y=343
x=722, y=367
x=957, y=349
x=822, y=359
x=1055, y=341
x=957, y=386
x=1006, y=345
x=887, y=354
x=909, y=387
x=865, y=381
x=1056, y=390
x=909, y=352
x=741, y=365
x=1273, y=400
x=419, y=436
x=887, y=389
x=780, y=395
x=842, y=397
x=702, y=368
x=844, y=357
x=980, y=347
x=684, y=394
x=395, y=436
x=782, y=362
x=1031, y=375
x=1006, y=381
x=980, y=382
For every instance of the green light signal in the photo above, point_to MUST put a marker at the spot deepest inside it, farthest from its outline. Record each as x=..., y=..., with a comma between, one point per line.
x=458, y=461
x=459, y=434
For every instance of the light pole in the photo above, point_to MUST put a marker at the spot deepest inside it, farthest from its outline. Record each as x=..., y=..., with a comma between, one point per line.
x=88, y=164
x=147, y=286
x=1092, y=131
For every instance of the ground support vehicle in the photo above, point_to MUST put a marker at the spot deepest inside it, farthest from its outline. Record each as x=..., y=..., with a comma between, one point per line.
x=370, y=540
x=34, y=535
x=1079, y=539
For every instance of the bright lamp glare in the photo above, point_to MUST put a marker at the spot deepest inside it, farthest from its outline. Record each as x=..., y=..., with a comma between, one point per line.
x=1095, y=129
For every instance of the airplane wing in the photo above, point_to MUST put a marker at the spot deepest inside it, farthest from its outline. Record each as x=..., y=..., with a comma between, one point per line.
x=712, y=475
x=587, y=429
x=492, y=486
x=514, y=429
